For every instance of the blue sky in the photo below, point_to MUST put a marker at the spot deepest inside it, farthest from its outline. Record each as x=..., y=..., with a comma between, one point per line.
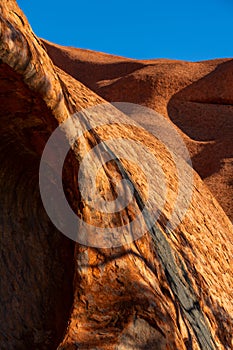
x=184, y=30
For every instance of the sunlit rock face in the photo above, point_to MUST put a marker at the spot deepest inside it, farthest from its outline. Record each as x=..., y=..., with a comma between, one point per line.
x=167, y=289
x=196, y=98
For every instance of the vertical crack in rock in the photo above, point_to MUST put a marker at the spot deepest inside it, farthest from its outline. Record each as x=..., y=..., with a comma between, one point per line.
x=38, y=260
x=176, y=274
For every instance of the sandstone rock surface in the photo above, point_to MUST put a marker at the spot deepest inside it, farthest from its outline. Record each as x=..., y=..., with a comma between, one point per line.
x=165, y=290
x=196, y=97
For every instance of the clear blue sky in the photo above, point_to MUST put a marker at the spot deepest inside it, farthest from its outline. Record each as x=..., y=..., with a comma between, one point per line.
x=175, y=29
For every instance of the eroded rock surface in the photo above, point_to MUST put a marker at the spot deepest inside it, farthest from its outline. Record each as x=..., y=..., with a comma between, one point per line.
x=196, y=97
x=165, y=290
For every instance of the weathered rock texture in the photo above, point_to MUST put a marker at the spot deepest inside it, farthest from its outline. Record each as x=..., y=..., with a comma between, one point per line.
x=196, y=97
x=167, y=290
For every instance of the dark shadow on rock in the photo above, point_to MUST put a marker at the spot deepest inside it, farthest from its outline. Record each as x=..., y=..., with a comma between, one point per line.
x=204, y=112
x=36, y=260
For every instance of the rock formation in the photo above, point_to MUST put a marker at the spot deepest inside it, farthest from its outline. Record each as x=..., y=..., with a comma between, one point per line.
x=196, y=97
x=169, y=289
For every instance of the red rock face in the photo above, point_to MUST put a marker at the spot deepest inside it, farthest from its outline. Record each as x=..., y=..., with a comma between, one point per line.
x=169, y=289
x=196, y=97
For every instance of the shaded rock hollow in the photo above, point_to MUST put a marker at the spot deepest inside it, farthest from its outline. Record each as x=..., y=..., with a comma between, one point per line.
x=163, y=291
